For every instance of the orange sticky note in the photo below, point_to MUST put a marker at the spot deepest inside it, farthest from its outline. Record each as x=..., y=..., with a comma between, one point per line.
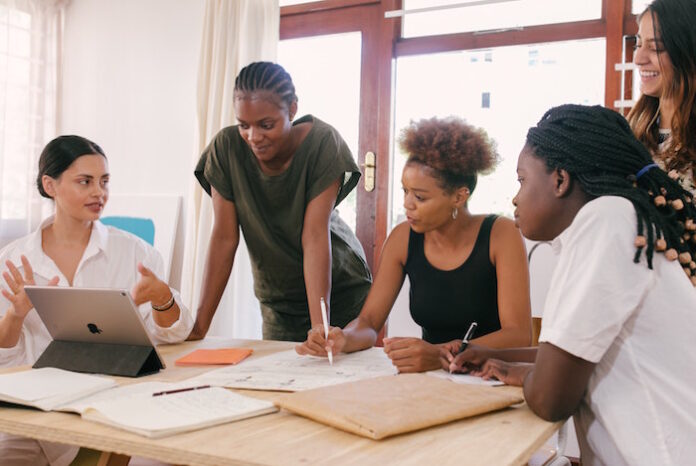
x=214, y=356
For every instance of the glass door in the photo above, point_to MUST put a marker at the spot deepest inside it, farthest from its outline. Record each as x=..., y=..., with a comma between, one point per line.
x=326, y=73
x=341, y=65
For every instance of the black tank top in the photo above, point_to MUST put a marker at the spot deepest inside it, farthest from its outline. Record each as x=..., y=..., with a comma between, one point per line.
x=444, y=303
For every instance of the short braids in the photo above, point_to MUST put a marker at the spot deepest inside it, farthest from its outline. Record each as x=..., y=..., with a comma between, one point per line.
x=266, y=76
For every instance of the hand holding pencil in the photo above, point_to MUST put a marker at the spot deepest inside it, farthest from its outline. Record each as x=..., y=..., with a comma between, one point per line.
x=317, y=342
x=325, y=320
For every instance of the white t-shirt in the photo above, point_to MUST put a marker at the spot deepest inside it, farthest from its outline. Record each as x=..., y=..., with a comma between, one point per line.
x=638, y=326
x=109, y=261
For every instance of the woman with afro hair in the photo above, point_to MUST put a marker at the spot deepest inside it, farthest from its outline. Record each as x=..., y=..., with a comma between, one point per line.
x=462, y=267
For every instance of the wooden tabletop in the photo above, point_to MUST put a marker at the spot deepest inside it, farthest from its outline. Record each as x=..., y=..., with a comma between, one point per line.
x=507, y=437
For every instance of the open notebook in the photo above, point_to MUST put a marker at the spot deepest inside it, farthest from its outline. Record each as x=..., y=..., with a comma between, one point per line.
x=181, y=411
x=49, y=388
x=130, y=407
x=385, y=406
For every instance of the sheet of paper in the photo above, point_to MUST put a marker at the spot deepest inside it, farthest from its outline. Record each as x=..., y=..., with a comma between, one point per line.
x=177, y=412
x=464, y=378
x=288, y=371
x=48, y=386
x=122, y=392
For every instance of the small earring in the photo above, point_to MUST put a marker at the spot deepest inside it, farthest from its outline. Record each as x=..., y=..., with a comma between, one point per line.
x=455, y=212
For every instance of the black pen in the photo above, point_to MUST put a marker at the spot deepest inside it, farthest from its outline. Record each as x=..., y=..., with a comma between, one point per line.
x=179, y=390
x=467, y=337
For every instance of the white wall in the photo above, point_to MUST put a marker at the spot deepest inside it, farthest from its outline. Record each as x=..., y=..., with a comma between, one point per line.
x=129, y=84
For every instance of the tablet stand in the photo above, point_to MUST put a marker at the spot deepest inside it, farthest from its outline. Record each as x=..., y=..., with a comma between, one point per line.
x=100, y=358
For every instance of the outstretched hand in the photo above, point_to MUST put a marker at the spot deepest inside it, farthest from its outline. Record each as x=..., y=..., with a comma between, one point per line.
x=150, y=288
x=21, y=304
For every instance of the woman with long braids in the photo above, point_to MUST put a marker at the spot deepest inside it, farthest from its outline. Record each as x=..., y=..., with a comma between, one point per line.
x=617, y=340
x=664, y=117
x=280, y=180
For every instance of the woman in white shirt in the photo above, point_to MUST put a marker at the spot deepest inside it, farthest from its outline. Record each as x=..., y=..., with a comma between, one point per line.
x=664, y=116
x=616, y=346
x=72, y=248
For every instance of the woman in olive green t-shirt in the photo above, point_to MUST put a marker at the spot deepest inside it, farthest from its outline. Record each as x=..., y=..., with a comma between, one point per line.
x=279, y=181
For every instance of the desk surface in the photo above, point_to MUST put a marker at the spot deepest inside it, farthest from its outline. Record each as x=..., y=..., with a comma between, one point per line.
x=508, y=437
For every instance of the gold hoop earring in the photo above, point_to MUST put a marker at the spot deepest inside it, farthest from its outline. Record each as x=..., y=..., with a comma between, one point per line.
x=455, y=212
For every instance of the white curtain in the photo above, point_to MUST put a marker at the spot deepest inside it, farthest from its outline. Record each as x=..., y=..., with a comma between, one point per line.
x=235, y=33
x=30, y=55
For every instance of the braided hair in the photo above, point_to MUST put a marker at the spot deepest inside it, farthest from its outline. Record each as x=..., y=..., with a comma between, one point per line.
x=596, y=146
x=266, y=76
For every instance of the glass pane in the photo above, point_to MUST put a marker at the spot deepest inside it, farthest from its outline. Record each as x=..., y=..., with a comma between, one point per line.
x=505, y=91
x=638, y=6
x=511, y=14
x=326, y=73
x=294, y=2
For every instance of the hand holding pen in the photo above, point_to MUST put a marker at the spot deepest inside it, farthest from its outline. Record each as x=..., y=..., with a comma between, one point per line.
x=325, y=320
x=448, y=356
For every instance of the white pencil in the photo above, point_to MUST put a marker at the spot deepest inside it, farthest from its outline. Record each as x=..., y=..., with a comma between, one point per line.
x=325, y=320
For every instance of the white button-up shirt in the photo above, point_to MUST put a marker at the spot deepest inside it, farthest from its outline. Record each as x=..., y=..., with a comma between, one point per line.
x=637, y=325
x=109, y=261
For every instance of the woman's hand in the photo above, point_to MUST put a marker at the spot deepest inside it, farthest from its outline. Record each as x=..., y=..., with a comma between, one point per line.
x=472, y=358
x=21, y=304
x=510, y=373
x=413, y=354
x=150, y=288
x=317, y=345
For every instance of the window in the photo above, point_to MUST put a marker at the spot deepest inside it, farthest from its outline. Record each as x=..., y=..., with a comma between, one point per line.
x=15, y=44
x=451, y=83
x=502, y=15
x=332, y=68
x=638, y=6
x=27, y=107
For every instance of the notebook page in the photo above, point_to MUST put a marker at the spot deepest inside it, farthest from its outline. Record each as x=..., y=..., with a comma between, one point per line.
x=124, y=391
x=48, y=387
x=177, y=412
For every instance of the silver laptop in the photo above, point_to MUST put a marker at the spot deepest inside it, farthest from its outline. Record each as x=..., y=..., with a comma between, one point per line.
x=91, y=315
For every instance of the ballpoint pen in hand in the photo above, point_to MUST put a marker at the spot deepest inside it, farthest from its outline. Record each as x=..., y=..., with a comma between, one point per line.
x=467, y=337
x=325, y=320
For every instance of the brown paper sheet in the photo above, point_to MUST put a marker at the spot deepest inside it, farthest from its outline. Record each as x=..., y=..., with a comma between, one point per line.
x=390, y=405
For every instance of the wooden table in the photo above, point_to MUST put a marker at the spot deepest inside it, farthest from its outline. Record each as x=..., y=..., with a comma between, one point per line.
x=507, y=437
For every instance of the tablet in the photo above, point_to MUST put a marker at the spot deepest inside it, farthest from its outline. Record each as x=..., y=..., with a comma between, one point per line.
x=101, y=325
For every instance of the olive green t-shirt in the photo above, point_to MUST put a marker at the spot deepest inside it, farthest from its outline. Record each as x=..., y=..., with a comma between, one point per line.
x=271, y=212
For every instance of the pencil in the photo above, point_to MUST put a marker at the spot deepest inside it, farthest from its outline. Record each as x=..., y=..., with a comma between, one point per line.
x=325, y=320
